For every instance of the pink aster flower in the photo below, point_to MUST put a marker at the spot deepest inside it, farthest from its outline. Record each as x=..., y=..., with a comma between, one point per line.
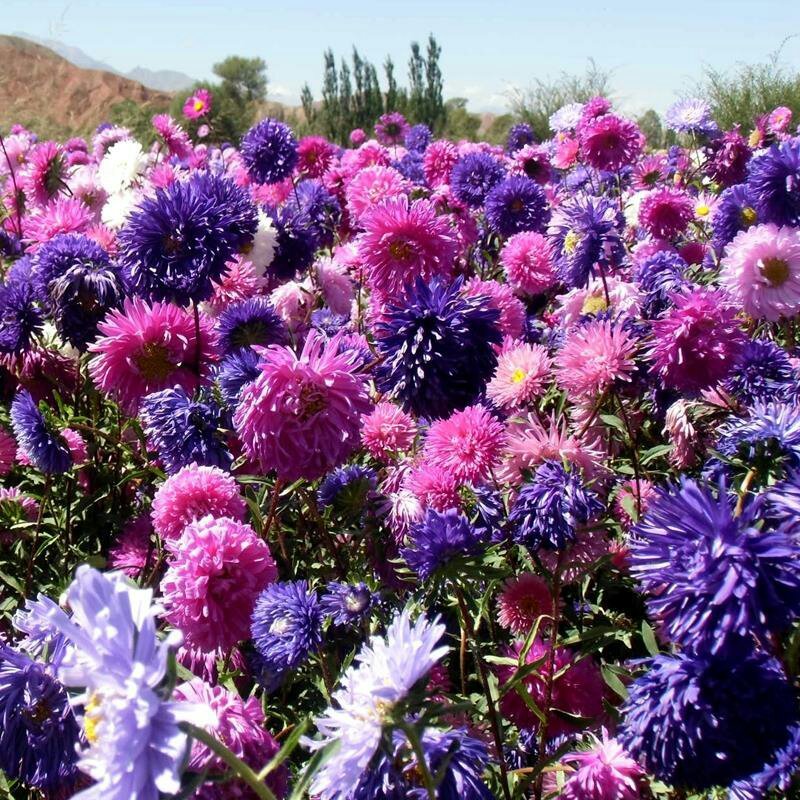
x=240, y=280
x=650, y=171
x=369, y=154
x=8, y=451
x=217, y=570
x=524, y=599
x=84, y=186
x=609, y=142
x=527, y=259
x=533, y=161
x=682, y=435
x=372, y=186
x=44, y=175
x=192, y=493
x=293, y=302
x=76, y=444
x=625, y=299
x=336, y=286
x=144, y=348
x=239, y=725
x=132, y=552
x=434, y=486
x=357, y=137
x=302, y=415
x=404, y=240
x=15, y=507
x=578, y=689
x=632, y=500
x=761, y=271
x=566, y=153
x=697, y=342
x=387, y=431
x=197, y=104
x=62, y=215
x=522, y=374
x=176, y=139
x=468, y=444
x=665, y=213
x=314, y=155
x=579, y=557
x=779, y=120
x=438, y=161
x=593, y=357
x=500, y=296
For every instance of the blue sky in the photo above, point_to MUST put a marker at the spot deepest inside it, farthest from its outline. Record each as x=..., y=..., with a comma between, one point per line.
x=654, y=49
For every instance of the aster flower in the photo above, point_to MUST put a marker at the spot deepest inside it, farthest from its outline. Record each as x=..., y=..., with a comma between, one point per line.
x=198, y=104
x=711, y=576
x=761, y=271
x=387, y=430
x=44, y=175
x=347, y=489
x=391, y=128
x=38, y=439
x=660, y=276
x=549, y=509
x=437, y=349
x=8, y=452
x=684, y=717
x=235, y=371
x=585, y=231
x=519, y=136
x=385, y=671
x=665, y=213
x=501, y=297
x=566, y=118
x=418, y=137
x=122, y=166
x=727, y=163
x=697, y=342
x=144, y=348
x=777, y=773
x=265, y=243
x=20, y=317
x=62, y=215
x=474, y=176
x=286, y=625
x=609, y=142
x=438, y=161
x=347, y=604
x=133, y=551
x=524, y=599
x=774, y=179
x=320, y=208
x=734, y=212
x=522, y=374
x=217, y=569
x=372, y=187
x=403, y=241
x=181, y=239
x=269, y=151
x=763, y=372
x=295, y=244
x=250, y=322
x=691, y=115
x=439, y=539
x=516, y=204
x=314, y=155
x=528, y=263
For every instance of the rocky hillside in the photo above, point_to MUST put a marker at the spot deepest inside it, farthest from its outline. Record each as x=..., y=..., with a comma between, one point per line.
x=38, y=87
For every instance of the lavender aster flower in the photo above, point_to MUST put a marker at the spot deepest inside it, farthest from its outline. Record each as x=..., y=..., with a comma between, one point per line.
x=518, y=136
x=660, y=276
x=418, y=137
x=763, y=373
x=437, y=540
x=44, y=446
x=391, y=128
x=320, y=209
x=250, y=322
x=566, y=118
x=437, y=348
x=295, y=243
x=774, y=179
x=709, y=575
x=735, y=211
x=269, y=151
x=184, y=431
x=691, y=115
x=517, y=204
x=474, y=176
x=347, y=604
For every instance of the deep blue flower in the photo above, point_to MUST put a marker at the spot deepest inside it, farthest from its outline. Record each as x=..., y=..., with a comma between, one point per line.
x=235, y=371
x=248, y=322
x=320, y=209
x=438, y=539
x=39, y=734
x=269, y=151
x=474, y=176
x=777, y=773
x=774, y=179
x=286, y=625
x=763, y=372
x=735, y=211
x=659, y=275
x=586, y=231
x=702, y=721
x=183, y=430
x=347, y=489
x=520, y=135
x=347, y=604
x=709, y=575
x=418, y=138
x=37, y=437
x=296, y=242
x=550, y=507
x=437, y=349
x=410, y=166
x=20, y=317
x=180, y=240
x=517, y=204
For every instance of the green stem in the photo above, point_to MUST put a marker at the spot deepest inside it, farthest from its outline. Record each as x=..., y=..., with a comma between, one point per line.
x=231, y=759
x=48, y=481
x=416, y=745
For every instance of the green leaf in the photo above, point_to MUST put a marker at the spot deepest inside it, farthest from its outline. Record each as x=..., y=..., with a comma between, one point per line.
x=12, y=582
x=613, y=421
x=614, y=682
x=649, y=639
x=287, y=748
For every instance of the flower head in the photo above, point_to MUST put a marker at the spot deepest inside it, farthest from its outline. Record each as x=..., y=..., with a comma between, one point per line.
x=522, y=375
x=692, y=115
x=250, y=322
x=198, y=104
x=774, y=178
x=665, y=213
x=391, y=128
x=609, y=142
x=37, y=437
x=517, y=204
x=387, y=430
x=347, y=604
x=474, y=176
x=524, y=599
x=528, y=262
x=269, y=151
x=437, y=540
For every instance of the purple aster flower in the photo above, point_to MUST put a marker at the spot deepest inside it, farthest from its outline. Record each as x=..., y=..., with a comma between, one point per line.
x=391, y=128
x=691, y=115
x=439, y=539
x=347, y=489
x=269, y=151
x=685, y=717
x=418, y=138
x=437, y=348
x=235, y=371
x=728, y=159
x=296, y=242
x=763, y=372
x=774, y=179
x=776, y=774
x=659, y=276
x=411, y=166
x=519, y=135
x=517, y=204
x=10, y=244
x=250, y=322
x=709, y=575
x=286, y=625
x=549, y=509
x=39, y=733
x=176, y=243
x=474, y=176
x=586, y=231
x=347, y=604
x=37, y=436
x=319, y=208
x=20, y=318
x=183, y=430
x=735, y=211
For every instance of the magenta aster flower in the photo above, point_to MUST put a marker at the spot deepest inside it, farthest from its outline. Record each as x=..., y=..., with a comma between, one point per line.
x=697, y=342
x=8, y=452
x=438, y=161
x=666, y=212
x=45, y=173
x=391, y=128
x=301, y=416
x=499, y=296
x=192, y=493
x=761, y=271
x=468, y=444
x=217, y=570
x=524, y=599
x=314, y=155
x=610, y=142
x=197, y=104
x=403, y=241
x=387, y=430
x=145, y=348
x=527, y=259
x=373, y=186
x=132, y=551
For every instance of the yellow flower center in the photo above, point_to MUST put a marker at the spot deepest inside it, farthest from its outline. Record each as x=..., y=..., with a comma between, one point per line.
x=594, y=304
x=755, y=138
x=571, y=241
x=199, y=105
x=518, y=375
x=92, y=718
x=775, y=270
x=749, y=215
x=400, y=250
x=702, y=210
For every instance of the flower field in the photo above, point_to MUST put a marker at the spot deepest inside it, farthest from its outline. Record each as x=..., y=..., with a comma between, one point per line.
x=411, y=469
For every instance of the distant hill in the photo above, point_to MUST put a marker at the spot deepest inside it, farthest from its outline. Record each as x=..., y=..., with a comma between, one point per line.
x=163, y=80
x=40, y=87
